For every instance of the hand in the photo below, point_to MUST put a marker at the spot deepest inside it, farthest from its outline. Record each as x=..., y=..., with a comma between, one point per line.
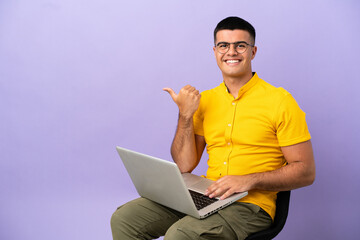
x=228, y=185
x=187, y=100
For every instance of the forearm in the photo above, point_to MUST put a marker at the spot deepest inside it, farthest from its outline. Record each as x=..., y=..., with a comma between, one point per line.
x=291, y=176
x=183, y=148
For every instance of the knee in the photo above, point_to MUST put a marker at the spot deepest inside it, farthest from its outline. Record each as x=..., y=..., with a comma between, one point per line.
x=119, y=223
x=116, y=218
x=124, y=214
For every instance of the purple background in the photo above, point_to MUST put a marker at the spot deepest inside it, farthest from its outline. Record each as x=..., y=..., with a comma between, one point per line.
x=78, y=77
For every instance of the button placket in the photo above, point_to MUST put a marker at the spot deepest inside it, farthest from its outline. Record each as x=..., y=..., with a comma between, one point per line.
x=228, y=137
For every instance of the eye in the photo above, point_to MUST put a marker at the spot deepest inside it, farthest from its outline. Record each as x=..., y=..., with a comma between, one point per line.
x=241, y=45
x=223, y=45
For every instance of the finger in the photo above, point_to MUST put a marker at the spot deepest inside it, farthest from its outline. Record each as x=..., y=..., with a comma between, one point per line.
x=171, y=92
x=194, y=91
x=190, y=89
x=227, y=194
x=217, y=191
x=211, y=189
x=208, y=192
x=220, y=187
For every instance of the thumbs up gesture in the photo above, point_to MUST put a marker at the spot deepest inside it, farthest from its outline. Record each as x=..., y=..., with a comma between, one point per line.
x=187, y=100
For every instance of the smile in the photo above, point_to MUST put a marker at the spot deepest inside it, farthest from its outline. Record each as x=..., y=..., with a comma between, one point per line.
x=232, y=61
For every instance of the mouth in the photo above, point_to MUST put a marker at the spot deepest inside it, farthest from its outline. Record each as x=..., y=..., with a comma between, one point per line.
x=232, y=61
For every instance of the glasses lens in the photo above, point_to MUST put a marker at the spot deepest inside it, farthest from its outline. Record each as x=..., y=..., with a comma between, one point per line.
x=241, y=47
x=223, y=47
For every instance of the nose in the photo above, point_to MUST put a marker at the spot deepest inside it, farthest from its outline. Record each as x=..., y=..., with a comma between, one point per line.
x=232, y=50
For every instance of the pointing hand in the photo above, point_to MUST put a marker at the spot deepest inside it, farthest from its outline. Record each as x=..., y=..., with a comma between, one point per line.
x=187, y=100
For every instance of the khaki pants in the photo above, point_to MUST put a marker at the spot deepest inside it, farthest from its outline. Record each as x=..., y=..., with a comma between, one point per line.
x=144, y=219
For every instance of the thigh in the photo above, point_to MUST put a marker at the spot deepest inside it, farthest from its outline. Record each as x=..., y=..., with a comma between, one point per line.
x=142, y=219
x=234, y=222
x=212, y=227
x=246, y=218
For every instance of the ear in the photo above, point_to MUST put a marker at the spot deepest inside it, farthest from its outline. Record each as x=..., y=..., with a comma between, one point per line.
x=253, y=52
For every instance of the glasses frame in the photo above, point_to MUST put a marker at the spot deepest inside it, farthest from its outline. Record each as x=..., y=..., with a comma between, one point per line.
x=234, y=43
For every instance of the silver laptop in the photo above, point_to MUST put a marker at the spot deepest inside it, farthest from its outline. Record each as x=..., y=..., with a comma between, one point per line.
x=161, y=181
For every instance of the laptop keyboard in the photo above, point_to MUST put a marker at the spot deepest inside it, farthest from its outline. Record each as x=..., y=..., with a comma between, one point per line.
x=201, y=200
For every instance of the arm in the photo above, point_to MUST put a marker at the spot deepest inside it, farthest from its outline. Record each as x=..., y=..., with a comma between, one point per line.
x=187, y=147
x=299, y=172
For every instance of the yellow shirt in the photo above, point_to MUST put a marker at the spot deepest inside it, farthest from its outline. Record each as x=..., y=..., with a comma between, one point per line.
x=244, y=135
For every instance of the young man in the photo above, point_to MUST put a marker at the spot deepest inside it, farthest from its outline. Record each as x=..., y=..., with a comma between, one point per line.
x=257, y=140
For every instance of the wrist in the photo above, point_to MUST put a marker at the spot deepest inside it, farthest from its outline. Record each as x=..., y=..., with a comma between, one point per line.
x=255, y=180
x=185, y=117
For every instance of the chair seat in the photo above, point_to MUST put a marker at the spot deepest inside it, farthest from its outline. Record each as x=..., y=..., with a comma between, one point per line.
x=282, y=209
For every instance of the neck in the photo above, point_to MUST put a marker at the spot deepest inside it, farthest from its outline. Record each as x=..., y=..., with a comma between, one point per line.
x=235, y=83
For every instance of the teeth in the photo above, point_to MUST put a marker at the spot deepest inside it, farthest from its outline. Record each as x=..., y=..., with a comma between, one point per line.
x=232, y=61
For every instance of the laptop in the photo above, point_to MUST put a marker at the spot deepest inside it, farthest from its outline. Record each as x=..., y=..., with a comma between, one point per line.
x=161, y=181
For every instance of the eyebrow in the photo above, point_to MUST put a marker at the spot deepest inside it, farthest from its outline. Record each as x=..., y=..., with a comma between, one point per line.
x=231, y=43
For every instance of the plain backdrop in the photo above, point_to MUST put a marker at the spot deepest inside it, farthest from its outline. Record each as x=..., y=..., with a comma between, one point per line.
x=79, y=77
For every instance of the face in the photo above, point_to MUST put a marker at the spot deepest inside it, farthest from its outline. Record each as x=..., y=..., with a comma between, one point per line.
x=232, y=64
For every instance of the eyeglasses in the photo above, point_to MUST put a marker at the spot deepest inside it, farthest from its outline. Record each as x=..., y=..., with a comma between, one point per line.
x=240, y=47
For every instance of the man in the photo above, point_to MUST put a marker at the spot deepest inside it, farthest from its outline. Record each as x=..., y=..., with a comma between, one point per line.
x=257, y=140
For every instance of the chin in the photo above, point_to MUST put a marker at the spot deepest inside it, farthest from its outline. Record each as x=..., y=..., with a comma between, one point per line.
x=233, y=74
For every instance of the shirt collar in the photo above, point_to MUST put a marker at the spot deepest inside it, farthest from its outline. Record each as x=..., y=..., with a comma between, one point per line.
x=252, y=82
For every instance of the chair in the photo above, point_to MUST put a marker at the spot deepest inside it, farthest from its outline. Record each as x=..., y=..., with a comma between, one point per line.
x=282, y=209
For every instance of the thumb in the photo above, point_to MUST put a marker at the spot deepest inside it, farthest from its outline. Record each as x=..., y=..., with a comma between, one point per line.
x=171, y=92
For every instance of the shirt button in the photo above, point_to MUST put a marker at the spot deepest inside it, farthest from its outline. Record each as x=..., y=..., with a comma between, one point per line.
x=229, y=143
x=224, y=163
x=229, y=125
x=233, y=104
